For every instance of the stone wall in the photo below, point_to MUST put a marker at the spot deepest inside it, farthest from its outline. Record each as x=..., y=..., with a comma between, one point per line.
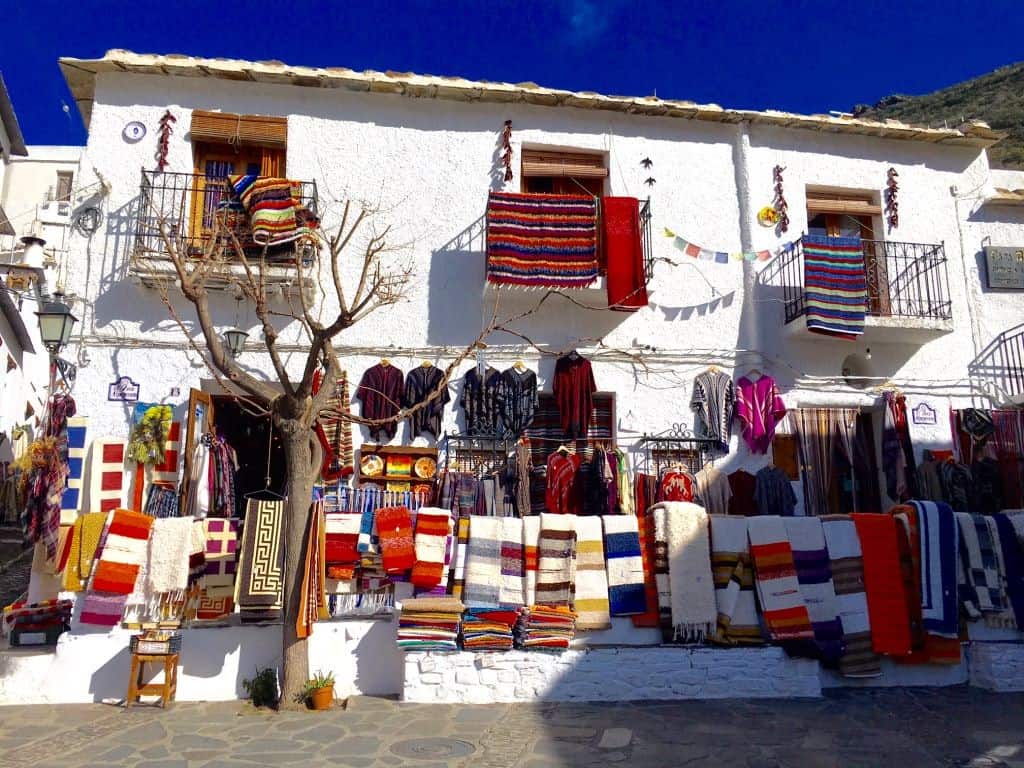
x=607, y=674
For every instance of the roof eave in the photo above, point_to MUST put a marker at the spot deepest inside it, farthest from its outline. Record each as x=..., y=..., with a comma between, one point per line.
x=15, y=320
x=10, y=122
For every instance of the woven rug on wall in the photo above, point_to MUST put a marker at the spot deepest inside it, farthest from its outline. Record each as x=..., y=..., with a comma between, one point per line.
x=106, y=474
x=261, y=562
x=71, y=499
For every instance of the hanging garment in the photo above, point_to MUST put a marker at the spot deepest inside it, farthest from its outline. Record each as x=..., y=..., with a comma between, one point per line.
x=713, y=401
x=517, y=399
x=987, y=497
x=957, y=484
x=815, y=429
x=590, y=599
x=563, y=493
x=480, y=401
x=893, y=460
x=420, y=385
x=1008, y=442
x=381, y=391
x=858, y=658
x=773, y=493
x=623, y=253
x=312, y=598
x=713, y=490
x=598, y=484
x=785, y=613
x=929, y=479
x=574, y=389
x=523, y=472
x=814, y=574
x=733, y=573
x=197, y=501
x=759, y=408
x=742, y=486
x=677, y=485
x=225, y=465
x=624, y=482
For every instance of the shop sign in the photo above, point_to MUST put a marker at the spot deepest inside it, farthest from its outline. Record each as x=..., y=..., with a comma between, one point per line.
x=923, y=414
x=124, y=390
x=1005, y=266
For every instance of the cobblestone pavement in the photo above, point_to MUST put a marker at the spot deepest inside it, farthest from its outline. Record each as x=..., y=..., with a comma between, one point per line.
x=894, y=727
x=14, y=576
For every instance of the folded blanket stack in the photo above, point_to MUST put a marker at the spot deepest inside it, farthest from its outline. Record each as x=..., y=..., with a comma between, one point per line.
x=430, y=624
x=486, y=629
x=545, y=628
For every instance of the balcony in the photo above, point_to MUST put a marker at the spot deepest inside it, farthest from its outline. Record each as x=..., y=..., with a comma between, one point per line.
x=194, y=210
x=498, y=278
x=999, y=368
x=908, y=296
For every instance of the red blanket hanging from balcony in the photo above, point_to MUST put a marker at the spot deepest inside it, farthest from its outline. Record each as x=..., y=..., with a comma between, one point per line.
x=624, y=255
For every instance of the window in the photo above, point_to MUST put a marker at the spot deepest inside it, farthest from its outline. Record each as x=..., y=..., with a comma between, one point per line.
x=563, y=173
x=224, y=144
x=852, y=214
x=64, y=182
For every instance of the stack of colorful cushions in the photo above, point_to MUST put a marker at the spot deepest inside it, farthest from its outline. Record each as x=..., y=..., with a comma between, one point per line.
x=430, y=624
x=36, y=623
x=545, y=628
x=488, y=629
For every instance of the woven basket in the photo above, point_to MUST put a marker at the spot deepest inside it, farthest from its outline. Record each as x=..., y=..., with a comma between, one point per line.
x=143, y=645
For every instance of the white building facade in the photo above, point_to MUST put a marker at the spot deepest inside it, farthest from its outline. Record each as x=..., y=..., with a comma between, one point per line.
x=424, y=153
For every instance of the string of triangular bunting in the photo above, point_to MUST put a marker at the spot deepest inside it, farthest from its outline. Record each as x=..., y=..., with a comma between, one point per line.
x=721, y=257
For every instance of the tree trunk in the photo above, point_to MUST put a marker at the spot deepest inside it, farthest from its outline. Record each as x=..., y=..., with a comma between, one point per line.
x=298, y=459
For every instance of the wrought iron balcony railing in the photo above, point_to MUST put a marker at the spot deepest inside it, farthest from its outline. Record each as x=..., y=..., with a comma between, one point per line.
x=903, y=280
x=1001, y=364
x=193, y=209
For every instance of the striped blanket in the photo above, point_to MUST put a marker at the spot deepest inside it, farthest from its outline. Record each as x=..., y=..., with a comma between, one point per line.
x=556, y=554
x=858, y=659
x=733, y=573
x=591, y=600
x=814, y=573
x=835, y=285
x=433, y=527
x=483, y=562
x=276, y=214
x=511, y=593
x=394, y=527
x=785, y=613
x=341, y=534
x=939, y=555
x=625, y=565
x=541, y=240
x=457, y=572
x=531, y=540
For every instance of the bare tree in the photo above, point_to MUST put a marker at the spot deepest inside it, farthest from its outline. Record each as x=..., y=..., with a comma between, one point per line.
x=351, y=266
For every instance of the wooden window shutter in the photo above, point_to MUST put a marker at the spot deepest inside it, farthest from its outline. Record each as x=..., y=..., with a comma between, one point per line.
x=229, y=128
x=272, y=162
x=542, y=162
x=837, y=202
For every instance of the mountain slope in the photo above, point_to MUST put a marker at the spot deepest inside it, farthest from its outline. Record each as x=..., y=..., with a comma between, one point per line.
x=997, y=98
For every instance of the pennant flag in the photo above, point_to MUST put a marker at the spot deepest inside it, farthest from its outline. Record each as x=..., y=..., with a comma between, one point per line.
x=692, y=250
x=706, y=255
x=721, y=258
x=764, y=255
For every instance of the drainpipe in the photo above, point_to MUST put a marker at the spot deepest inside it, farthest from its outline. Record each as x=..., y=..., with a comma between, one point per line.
x=749, y=328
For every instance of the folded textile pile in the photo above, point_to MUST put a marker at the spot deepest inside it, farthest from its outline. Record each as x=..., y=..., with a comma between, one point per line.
x=341, y=554
x=430, y=624
x=45, y=616
x=545, y=628
x=488, y=629
x=276, y=213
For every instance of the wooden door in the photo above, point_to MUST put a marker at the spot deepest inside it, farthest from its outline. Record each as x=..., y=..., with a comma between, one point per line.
x=199, y=422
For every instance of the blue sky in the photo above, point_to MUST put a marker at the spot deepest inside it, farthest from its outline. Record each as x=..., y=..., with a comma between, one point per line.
x=793, y=55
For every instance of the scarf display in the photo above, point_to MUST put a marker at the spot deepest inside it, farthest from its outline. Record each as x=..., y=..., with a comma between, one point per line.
x=84, y=539
x=258, y=589
x=71, y=499
x=429, y=624
x=545, y=628
x=591, y=588
x=939, y=552
x=483, y=562
x=394, y=527
x=1013, y=563
x=457, y=573
x=488, y=629
x=161, y=502
x=859, y=658
x=883, y=583
x=531, y=542
x=106, y=474
x=224, y=465
x=645, y=529
x=511, y=593
x=782, y=605
x=733, y=574
x=691, y=585
x=123, y=552
x=814, y=574
x=835, y=286
x=540, y=240
x=981, y=578
x=433, y=527
x=624, y=565
x=313, y=605
x=556, y=554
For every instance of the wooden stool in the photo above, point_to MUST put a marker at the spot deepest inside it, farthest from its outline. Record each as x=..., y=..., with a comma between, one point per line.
x=164, y=689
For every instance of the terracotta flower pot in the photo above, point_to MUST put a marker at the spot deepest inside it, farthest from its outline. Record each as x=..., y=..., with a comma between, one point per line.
x=322, y=698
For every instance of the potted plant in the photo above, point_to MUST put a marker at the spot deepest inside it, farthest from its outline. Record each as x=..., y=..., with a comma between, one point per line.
x=319, y=691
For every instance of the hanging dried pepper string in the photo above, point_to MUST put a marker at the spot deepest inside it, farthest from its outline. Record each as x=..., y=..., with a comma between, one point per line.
x=781, y=206
x=892, y=203
x=506, y=143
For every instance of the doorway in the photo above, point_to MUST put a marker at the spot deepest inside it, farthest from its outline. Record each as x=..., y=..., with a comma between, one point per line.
x=255, y=440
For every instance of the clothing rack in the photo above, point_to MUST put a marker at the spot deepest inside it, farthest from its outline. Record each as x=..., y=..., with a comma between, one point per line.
x=676, y=446
x=479, y=455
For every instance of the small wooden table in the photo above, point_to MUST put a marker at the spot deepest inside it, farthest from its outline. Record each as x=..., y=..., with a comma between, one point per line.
x=165, y=689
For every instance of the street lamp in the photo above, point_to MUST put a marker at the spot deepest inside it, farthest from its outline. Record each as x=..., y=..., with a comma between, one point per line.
x=55, y=324
x=235, y=339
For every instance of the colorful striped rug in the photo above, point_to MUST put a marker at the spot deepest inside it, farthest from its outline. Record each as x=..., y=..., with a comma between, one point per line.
x=483, y=563
x=814, y=573
x=591, y=596
x=625, y=565
x=540, y=240
x=733, y=572
x=782, y=604
x=71, y=499
x=275, y=213
x=556, y=554
x=835, y=285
